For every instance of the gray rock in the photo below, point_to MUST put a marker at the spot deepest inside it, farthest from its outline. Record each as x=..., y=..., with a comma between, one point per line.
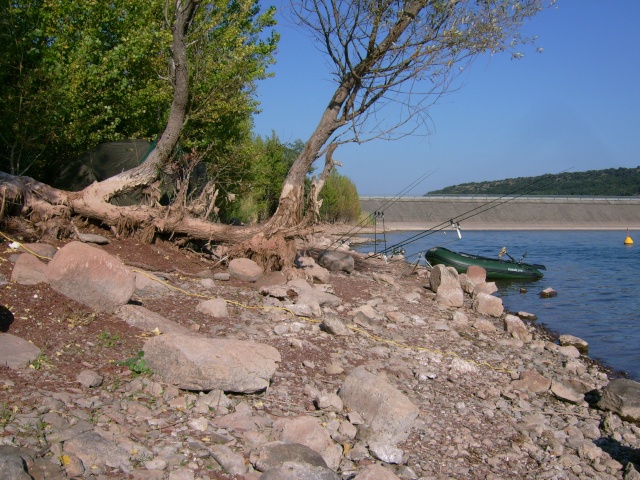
x=74, y=431
x=335, y=261
x=548, y=293
x=566, y=393
x=570, y=340
x=622, y=397
x=308, y=431
x=41, y=250
x=245, y=269
x=375, y=472
x=232, y=462
x=332, y=324
x=388, y=413
x=93, y=238
x=450, y=296
x=484, y=325
x=16, y=462
x=386, y=453
x=466, y=283
x=324, y=299
x=89, y=379
x=273, y=454
x=222, y=276
x=73, y=466
x=299, y=471
x=569, y=351
x=216, y=307
x=476, y=274
x=145, y=319
x=16, y=352
x=527, y=316
x=488, y=305
x=516, y=328
x=149, y=283
x=533, y=381
x=442, y=276
x=12, y=465
x=195, y=363
x=90, y=276
x=93, y=449
x=329, y=401
x=28, y=270
x=485, y=287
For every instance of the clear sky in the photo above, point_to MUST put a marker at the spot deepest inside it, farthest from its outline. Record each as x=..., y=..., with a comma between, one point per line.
x=575, y=106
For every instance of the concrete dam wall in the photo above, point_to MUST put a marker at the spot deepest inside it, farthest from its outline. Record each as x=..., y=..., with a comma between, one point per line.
x=506, y=213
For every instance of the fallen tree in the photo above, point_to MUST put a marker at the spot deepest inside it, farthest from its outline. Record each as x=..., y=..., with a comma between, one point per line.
x=381, y=53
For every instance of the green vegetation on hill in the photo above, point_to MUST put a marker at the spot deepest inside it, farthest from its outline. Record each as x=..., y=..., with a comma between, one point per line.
x=612, y=182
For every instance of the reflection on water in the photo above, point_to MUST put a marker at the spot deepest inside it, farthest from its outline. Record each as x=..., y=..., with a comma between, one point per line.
x=594, y=273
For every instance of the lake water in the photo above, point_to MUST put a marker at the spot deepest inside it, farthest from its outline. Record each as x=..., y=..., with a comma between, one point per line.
x=594, y=273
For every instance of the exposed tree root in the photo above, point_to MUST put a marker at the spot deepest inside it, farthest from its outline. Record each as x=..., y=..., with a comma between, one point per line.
x=273, y=253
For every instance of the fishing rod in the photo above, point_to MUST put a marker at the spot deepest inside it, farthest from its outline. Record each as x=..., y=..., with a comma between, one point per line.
x=466, y=215
x=372, y=216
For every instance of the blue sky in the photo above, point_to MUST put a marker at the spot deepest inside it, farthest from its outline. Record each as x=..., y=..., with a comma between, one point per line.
x=575, y=106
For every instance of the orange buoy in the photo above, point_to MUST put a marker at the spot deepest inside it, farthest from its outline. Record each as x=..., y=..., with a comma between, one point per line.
x=628, y=240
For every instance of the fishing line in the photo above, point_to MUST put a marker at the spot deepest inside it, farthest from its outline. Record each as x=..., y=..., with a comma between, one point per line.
x=380, y=210
x=467, y=215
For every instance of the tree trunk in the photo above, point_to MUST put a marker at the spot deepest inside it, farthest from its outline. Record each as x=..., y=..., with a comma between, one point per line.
x=100, y=193
x=313, y=204
x=290, y=207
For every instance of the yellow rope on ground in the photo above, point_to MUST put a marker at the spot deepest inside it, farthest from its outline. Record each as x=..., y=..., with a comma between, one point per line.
x=307, y=319
x=317, y=321
x=25, y=248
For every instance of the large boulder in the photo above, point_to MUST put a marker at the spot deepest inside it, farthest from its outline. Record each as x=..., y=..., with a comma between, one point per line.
x=622, y=397
x=450, y=296
x=200, y=363
x=387, y=412
x=91, y=276
x=442, y=276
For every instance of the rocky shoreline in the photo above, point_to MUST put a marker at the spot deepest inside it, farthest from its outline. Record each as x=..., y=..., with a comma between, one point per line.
x=346, y=368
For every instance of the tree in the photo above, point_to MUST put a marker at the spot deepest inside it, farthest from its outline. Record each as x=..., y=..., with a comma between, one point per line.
x=339, y=201
x=75, y=74
x=267, y=161
x=390, y=61
x=388, y=57
x=239, y=58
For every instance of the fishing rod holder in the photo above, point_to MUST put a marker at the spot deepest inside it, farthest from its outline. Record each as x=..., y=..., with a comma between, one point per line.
x=380, y=214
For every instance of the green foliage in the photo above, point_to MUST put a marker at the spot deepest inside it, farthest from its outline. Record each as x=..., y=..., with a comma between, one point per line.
x=137, y=364
x=40, y=362
x=340, y=201
x=108, y=340
x=7, y=414
x=76, y=73
x=619, y=182
x=259, y=181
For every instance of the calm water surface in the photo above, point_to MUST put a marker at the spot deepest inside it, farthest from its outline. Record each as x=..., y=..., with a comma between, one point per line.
x=594, y=273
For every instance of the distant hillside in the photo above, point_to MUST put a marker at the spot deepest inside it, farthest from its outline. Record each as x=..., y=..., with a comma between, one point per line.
x=612, y=182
